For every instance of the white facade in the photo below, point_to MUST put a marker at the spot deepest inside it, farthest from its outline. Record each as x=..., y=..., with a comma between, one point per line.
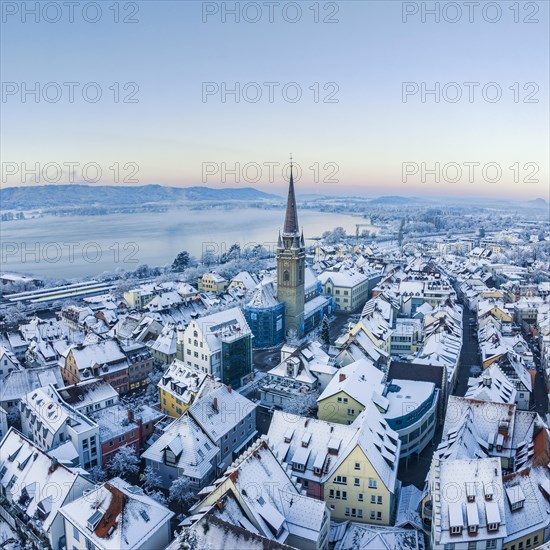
x=50, y=422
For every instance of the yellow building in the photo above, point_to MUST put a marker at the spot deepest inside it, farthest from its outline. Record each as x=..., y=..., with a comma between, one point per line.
x=352, y=468
x=178, y=388
x=349, y=391
x=212, y=282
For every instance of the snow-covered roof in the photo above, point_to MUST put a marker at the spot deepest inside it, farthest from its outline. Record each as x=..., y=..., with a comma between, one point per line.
x=32, y=472
x=229, y=324
x=359, y=380
x=117, y=515
x=492, y=385
x=193, y=449
x=403, y=395
x=166, y=342
x=18, y=383
x=360, y=536
x=88, y=392
x=348, y=278
x=264, y=295
x=218, y=409
x=105, y=352
x=275, y=503
x=182, y=380
x=455, y=509
x=372, y=435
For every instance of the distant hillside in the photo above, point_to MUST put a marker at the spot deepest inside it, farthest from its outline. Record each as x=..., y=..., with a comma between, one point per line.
x=53, y=196
x=538, y=203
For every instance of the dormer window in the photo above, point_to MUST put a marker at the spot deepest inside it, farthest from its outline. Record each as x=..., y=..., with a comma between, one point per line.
x=516, y=497
x=492, y=527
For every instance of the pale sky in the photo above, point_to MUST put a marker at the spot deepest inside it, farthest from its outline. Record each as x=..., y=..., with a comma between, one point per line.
x=180, y=132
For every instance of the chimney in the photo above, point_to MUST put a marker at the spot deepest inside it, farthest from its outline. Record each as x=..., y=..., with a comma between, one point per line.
x=130, y=415
x=229, y=388
x=219, y=504
x=215, y=404
x=342, y=377
x=54, y=464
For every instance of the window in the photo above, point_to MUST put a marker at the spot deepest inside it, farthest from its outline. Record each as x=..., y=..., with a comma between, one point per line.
x=344, y=495
x=373, y=499
x=379, y=501
x=331, y=493
x=347, y=512
x=351, y=412
x=379, y=515
x=472, y=545
x=372, y=515
x=492, y=527
x=111, y=443
x=456, y=530
x=449, y=546
x=360, y=497
x=343, y=480
x=76, y=533
x=122, y=438
x=359, y=513
x=357, y=466
x=357, y=482
x=372, y=483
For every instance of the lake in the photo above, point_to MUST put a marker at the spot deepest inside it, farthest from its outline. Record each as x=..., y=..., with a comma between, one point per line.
x=77, y=246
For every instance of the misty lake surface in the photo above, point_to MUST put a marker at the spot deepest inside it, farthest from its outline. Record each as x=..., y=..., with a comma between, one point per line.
x=78, y=246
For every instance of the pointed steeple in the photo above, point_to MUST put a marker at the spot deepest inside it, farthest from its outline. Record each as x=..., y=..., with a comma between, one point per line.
x=291, y=218
x=280, y=241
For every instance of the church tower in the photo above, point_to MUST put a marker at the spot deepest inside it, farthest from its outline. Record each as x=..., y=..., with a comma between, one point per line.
x=291, y=256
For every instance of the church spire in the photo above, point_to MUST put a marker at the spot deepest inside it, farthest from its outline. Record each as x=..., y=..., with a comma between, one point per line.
x=291, y=218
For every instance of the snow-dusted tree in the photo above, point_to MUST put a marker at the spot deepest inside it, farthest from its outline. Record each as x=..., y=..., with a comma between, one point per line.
x=302, y=404
x=150, y=480
x=124, y=463
x=181, y=491
x=188, y=540
x=158, y=496
x=97, y=474
x=14, y=416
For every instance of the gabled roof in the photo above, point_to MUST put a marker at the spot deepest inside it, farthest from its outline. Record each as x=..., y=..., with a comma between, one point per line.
x=117, y=515
x=359, y=380
x=218, y=409
x=369, y=432
x=271, y=500
x=34, y=472
x=194, y=450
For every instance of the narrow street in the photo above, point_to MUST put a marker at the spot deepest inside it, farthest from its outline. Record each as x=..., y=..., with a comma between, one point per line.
x=470, y=360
